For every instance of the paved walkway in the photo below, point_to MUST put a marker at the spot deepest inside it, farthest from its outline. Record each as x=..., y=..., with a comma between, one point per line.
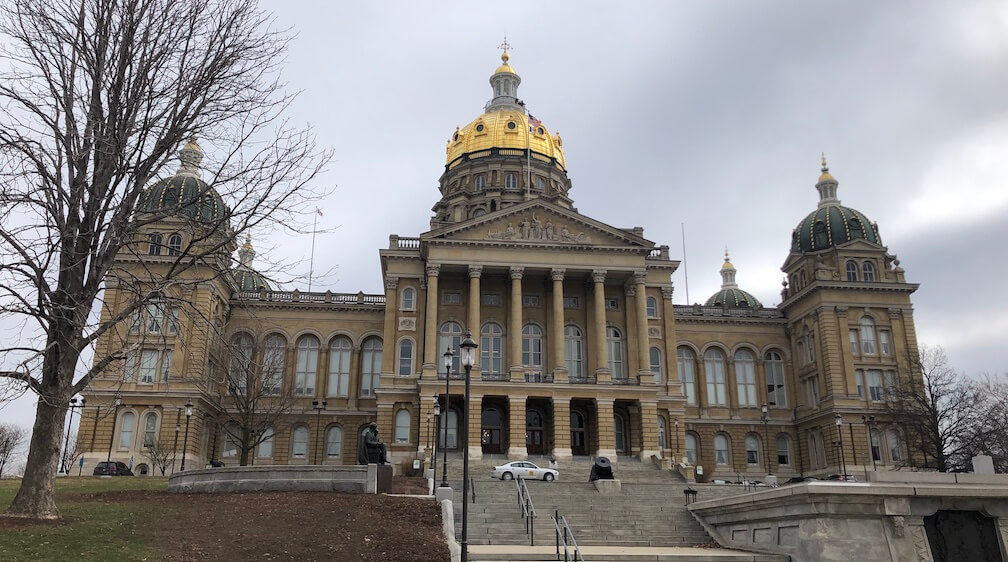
x=601, y=553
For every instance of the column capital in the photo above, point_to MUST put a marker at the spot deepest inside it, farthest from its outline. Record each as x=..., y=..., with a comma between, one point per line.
x=630, y=289
x=666, y=292
x=557, y=273
x=475, y=271
x=598, y=275
x=391, y=283
x=516, y=272
x=895, y=312
x=841, y=311
x=433, y=269
x=639, y=277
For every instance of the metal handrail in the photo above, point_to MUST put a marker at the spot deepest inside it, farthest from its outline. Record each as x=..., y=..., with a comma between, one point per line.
x=564, y=532
x=527, y=508
x=472, y=489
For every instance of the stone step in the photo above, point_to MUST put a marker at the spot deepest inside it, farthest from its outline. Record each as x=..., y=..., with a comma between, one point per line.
x=515, y=553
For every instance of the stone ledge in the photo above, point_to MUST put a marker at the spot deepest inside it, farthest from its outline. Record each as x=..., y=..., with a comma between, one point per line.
x=300, y=478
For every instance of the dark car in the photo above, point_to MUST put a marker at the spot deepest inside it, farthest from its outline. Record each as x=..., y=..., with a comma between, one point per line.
x=113, y=468
x=838, y=478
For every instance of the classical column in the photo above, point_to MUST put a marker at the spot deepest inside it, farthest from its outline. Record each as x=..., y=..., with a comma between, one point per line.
x=649, y=431
x=644, y=373
x=475, y=271
x=561, y=428
x=598, y=333
x=475, y=446
x=388, y=357
x=430, y=361
x=514, y=336
x=556, y=334
x=605, y=427
x=516, y=428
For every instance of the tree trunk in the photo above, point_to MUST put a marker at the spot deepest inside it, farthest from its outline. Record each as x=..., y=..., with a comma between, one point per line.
x=34, y=498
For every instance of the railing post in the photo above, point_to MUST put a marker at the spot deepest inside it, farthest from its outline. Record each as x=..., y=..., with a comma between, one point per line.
x=556, y=521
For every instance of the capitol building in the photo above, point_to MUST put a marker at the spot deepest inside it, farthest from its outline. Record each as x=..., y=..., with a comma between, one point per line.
x=581, y=349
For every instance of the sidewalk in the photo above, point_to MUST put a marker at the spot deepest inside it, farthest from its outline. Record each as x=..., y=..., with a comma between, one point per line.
x=602, y=553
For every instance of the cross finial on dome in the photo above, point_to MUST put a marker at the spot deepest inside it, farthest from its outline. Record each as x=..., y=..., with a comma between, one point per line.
x=726, y=252
x=825, y=168
x=505, y=46
x=827, y=185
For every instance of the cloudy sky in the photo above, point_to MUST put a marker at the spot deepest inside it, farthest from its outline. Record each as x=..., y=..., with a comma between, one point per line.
x=710, y=115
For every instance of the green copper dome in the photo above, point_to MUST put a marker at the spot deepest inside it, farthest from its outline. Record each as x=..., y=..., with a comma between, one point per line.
x=730, y=295
x=247, y=279
x=184, y=193
x=831, y=224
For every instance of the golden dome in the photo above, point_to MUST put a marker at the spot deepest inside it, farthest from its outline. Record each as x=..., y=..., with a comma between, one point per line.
x=825, y=175
x=505, y=67
x=507, y=129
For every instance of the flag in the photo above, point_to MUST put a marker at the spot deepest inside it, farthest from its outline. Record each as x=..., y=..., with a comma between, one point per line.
x=319, y=211
x=533, y=123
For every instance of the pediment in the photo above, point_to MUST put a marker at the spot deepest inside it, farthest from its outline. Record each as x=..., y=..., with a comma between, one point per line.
x=538, y=223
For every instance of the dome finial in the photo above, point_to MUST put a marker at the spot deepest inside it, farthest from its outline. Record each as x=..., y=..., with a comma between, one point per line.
x=190, y=157
x=246, y=253
x=504, y=48
x=825, y=168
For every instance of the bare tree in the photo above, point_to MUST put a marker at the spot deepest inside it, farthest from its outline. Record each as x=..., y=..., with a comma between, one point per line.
x=160, y=456
x=73, y=452
x=95, y=97
x=11, y=437
x=945, y=417
x=257, y=400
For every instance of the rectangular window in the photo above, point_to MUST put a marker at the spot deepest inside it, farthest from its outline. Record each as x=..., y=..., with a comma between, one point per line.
x=148, y=365
x=883, y=342
x=491, y=299
x=530, y=301
x=854, y=347
x=746, y=384
x=859, y=377
x=155, y=318
x=451, y=297
x=611, y=303
x=716, y=392
x=875, y=390
x=812, y=390
x=783, y=454
x=570, y=302
x=776, y=393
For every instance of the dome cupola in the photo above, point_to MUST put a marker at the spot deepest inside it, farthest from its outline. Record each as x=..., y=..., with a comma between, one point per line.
x=831, y=224
x=246, y=278
x=730, y=295
x=185, y=194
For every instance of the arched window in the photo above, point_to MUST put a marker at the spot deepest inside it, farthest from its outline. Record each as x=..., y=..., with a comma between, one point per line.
x=614, y=339
x=852, y=271
x=492, y=348
x=654, y=356
x=273, y=363
x=692, y=448
x=150, y=429
x=895, y=446
x=722, y=453
x=240, y=371
x=174, y=244
x=307, y=365
x=867, y=335
x=334, y=442
x=154, y=244
x=652, y=307
x=339, y=366
x=449, y=430
x=402, y=426
x=450, y=338
x=868, y=271
x=265, y=448
x=745, y=378
x=477, y=212
x=574, y=351
x=661, y=433
x=532, y=346
x=299, y=442
x=371, y=358
x=783, y=450
x=687, y=373
x=232, y=433
x=714, y=369
x=405, y=358
x=511, y=181
x=480, y=182
x=752, y=449
x=773, y=366
x=126, y=429
x=408, y=301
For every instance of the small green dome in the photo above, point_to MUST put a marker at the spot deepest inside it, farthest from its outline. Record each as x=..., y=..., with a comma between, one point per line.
x=249, y=281
x=733, y=298
x=184, y=193
x=831, y=224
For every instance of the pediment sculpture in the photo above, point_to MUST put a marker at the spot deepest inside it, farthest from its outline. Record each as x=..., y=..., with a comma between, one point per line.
x=535, y=230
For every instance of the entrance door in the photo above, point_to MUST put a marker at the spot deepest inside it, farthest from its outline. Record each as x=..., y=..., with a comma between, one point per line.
x=534, y=432
x=577, y=429
x=490, y=434
x=621, y=434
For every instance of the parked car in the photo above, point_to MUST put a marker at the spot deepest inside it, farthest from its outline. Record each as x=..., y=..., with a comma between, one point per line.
x=524, y=469
x=113, y=468
x=838, y=478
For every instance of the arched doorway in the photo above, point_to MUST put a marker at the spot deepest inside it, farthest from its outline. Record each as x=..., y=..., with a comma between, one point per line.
x=621, y=433
x=534, y=432
x=490, y=433
x=579, y=440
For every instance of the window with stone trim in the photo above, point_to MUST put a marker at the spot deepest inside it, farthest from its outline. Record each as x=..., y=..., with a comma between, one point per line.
x=885, y=347
x=511, y=181
x=783, y=450
x=299, y=442
x=339, y=366
x=492, y=348
x=745, y=378
x=274, y=354
x=752, y=449
x=154, y=242
x=408, y=301
x=574, y=351
x=127, y=428
x=449, y=337
x=571, y=302
x=773, y=367
x=722, y=450
x=652, y=307
x=150, y=430
x=654, y=356
x=867, y=335
x=334, y=442
x=852, y=270
x=240, y=370
x=614, y=339
x=662, y=441
x=714, y=370
x=405, y=357
x=480, y=182
x=532, y=344
x=306, y=366
x=868, y=271
x=175, y=244
x=687, y=374
x=371, y=359
x=692, y=448
x=264, y=449
x=402, y=426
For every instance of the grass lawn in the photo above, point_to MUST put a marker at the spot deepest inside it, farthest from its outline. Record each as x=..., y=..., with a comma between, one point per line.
x=123, y=518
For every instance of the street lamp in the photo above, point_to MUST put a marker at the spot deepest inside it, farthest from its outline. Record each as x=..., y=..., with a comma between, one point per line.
x=869, y=423
x=66, y=442
x=468, y=347
x=765, y=419
x=437, y=434
x=448, y=356
x=675, y=422
x=318, y=407
x=185, y=441
x=174, y=447
x=843, y=461
x=111, y=436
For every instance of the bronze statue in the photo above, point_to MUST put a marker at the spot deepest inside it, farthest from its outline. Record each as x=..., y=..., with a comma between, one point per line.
x=370, y=449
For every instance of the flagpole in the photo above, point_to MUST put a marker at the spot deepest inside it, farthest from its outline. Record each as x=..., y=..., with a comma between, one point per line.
x=528, y=156
x=311, y=262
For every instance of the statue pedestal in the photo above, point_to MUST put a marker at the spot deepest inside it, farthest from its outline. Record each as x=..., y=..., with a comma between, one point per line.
x=384, y=478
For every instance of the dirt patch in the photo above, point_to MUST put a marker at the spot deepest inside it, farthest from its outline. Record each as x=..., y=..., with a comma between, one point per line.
x=14, y=523
x=409, y=485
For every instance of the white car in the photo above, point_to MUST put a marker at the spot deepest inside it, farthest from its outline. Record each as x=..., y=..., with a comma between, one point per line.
x=524, y=469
